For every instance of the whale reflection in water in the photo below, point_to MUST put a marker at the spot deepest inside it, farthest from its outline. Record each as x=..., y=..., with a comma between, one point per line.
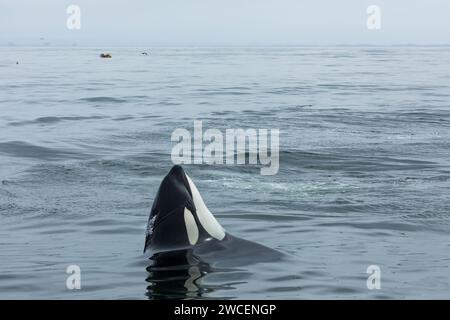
x=178, y=274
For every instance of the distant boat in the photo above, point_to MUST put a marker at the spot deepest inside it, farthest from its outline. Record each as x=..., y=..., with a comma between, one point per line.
x=105, y=55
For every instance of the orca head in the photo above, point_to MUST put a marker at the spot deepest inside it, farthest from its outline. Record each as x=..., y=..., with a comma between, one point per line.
x=179, y=218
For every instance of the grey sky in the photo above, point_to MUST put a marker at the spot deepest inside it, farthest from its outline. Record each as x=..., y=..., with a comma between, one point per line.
x=224, y=22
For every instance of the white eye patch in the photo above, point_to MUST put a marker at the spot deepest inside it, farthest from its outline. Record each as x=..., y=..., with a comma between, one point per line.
x=205, y=217
x=191, y=226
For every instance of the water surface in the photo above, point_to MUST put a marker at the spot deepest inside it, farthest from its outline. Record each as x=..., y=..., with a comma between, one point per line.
x=364, y=173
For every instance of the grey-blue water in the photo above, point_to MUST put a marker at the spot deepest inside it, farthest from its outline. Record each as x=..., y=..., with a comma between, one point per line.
x=364, y=173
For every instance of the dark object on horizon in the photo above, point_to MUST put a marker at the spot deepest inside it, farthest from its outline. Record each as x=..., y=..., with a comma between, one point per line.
x=17, y=62
x=144, y=53
x=105, y=55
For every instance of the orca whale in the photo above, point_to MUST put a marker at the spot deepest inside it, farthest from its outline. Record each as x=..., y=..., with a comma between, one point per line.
x=186, y=242
x=180, y=220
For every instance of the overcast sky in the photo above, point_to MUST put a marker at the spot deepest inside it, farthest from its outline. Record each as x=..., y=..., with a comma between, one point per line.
x=224, y=22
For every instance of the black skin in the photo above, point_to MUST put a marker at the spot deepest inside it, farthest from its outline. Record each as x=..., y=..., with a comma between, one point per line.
x=168, y=231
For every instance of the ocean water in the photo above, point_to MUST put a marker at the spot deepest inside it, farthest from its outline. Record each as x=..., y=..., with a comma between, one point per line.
x=364, y=174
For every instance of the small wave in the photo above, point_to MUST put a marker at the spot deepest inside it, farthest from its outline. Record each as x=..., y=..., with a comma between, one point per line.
x=168, y=103
x=210, y=92
x=137, y=97
x=347, y=160
x=103, y=99
x=53, y=120
x=21, y=149
x=291, y=90
x=266, y=217
x=379, y=225
x=236, y=89
x=222, y=113
x=118, y=230
x=123, y=118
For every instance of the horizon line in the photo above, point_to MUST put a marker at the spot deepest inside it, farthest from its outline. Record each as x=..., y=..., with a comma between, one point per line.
x=220, y=45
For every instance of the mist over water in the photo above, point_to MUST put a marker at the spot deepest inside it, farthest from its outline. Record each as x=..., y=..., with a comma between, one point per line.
x=364, y=175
